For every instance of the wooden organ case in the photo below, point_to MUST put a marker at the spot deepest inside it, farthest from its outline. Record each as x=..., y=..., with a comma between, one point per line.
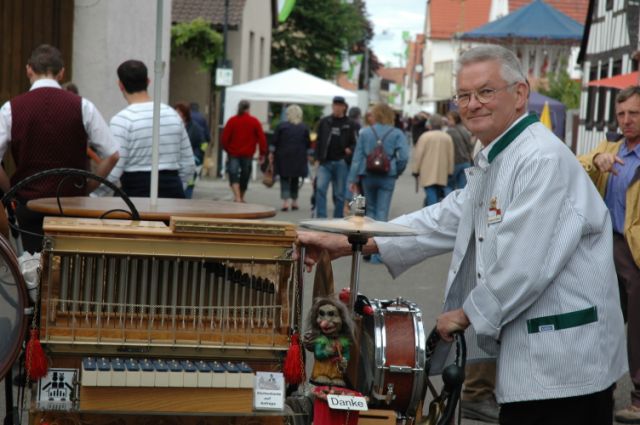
x=197, y=292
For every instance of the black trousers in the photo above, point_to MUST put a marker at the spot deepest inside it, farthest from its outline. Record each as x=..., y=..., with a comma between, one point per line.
x=30, y=224
x=138, y=184
x=590, y=409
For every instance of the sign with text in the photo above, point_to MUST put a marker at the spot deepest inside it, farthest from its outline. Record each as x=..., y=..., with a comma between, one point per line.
x=58, y=389
x=224, y=76
x=346, y=402
x=268, y=391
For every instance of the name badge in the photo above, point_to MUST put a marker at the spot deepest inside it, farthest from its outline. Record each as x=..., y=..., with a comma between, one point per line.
x=495, y=214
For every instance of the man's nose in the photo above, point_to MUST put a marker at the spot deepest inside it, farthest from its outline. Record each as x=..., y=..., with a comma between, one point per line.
x=474, y=103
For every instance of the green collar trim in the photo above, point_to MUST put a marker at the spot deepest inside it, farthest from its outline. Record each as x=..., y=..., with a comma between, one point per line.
x=511, y=135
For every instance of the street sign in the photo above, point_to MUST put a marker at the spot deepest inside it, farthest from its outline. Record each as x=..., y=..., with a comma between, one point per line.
x=224, y=76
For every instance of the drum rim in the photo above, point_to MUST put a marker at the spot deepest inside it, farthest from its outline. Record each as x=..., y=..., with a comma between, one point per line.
x=379, y=352
x=14, y=346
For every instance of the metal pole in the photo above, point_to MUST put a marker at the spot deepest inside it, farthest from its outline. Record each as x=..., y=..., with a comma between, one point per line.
x=225, y=30
x=157, y=94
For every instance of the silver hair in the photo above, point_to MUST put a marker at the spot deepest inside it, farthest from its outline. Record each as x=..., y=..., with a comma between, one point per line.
x=435, y=122
x=510, y=67
x=294, y=114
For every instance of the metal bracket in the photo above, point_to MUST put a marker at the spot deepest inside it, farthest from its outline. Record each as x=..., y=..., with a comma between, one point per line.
x=387, y=398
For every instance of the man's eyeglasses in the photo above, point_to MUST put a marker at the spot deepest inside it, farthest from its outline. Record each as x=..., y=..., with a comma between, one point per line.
x=483, y=96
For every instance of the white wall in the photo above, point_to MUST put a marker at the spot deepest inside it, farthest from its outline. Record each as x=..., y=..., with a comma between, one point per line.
x=249, y=60
x=105, y=34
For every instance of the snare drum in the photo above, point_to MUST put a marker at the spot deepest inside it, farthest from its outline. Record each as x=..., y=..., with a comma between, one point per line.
x=392, y=356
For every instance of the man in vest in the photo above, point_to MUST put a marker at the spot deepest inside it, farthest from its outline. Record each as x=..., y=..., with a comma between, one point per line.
x=46, y=128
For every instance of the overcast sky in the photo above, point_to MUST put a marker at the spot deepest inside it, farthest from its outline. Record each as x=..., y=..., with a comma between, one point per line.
x=390, y=19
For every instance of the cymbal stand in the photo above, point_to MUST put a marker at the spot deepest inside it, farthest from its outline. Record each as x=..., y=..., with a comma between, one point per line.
x=357, y=240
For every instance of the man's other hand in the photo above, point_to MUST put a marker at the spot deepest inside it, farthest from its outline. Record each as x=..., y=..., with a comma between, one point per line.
x=604, y=162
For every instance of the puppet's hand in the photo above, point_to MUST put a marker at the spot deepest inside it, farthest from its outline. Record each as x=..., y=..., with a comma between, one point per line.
x=343, y=364
x=330, y=349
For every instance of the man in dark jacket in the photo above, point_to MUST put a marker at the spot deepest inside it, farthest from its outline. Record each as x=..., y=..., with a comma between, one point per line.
x=335, y=144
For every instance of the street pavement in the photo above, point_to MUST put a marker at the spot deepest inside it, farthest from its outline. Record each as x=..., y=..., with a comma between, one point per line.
x=423, y=284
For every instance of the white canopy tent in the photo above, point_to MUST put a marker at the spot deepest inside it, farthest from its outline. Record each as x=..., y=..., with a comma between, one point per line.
x=291, y=86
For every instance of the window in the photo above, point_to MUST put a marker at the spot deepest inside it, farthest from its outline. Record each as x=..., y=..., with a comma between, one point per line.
x=616, y=69
x=612, y=123
x=609, y=5
x=591, y=100
x=261, y=71
x=252, y=56
x=593, y=73
x=604, y=70
x=602, y=104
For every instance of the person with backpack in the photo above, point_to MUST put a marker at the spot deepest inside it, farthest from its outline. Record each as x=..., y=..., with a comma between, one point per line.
x=381, y=155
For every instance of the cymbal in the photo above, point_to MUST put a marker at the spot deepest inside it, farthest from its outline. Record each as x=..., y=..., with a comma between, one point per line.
x=355, y=224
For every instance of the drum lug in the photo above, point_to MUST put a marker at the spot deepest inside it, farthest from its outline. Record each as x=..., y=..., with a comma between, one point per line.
x=401, y=369
x=388, y=397
x=28, y=311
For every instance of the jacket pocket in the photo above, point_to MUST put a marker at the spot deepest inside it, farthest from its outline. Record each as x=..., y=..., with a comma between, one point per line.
x=563, y=349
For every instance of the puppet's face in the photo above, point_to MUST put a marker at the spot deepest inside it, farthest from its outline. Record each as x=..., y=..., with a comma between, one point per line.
x=329, y=320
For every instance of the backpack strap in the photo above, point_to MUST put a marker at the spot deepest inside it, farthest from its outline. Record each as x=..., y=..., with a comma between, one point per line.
x=379, y=140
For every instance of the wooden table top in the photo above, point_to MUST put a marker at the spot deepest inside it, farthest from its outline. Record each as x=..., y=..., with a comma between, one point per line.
x=84, y=206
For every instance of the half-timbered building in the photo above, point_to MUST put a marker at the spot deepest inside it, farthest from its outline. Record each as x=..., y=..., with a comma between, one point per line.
x=609, y=57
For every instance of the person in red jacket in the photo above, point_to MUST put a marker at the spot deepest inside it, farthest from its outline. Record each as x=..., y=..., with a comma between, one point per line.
x=242, y=133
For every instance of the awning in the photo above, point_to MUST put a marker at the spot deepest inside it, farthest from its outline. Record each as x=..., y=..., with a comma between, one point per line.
x=617, y=82
x=535, y=21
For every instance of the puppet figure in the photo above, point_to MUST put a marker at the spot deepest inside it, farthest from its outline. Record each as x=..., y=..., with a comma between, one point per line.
x=329, y=336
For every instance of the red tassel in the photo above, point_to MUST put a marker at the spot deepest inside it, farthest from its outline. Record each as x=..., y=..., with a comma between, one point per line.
x=292, y=369
x=36, y=360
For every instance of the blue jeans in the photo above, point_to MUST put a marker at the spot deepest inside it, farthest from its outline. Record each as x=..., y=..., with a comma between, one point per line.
x=378, y=190
x=458, y=180
x=435, y=193
x=239, y=170
x=334, y=172
x=289, y=187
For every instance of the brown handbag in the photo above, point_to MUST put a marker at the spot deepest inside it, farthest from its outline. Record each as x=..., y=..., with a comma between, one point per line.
x=268, y=178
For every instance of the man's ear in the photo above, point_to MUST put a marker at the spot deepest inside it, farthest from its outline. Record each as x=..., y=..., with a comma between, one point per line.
x=60, y=75
x=522, y=93
x=30, y=73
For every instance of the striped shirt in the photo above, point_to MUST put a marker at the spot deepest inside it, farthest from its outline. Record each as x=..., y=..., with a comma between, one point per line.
x=132, y=130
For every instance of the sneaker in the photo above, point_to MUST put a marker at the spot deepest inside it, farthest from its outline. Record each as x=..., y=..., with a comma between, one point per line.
x=628, y=415
x=482, y=410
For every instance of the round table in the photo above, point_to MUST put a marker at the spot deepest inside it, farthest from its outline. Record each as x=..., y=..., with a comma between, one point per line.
x=83, y=206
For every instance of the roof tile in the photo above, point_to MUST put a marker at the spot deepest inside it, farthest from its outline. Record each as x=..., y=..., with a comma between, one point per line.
x=575, y=9
x=449, y=17
x=210, y=10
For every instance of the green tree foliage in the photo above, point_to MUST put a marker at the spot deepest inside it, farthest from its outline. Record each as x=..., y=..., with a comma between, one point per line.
x=196, y=40
x=316, y=33
x=561, y=87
